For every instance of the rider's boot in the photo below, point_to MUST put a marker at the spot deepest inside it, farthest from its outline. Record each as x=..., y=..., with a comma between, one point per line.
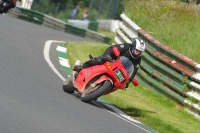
x=77, y=66
x=95, y=61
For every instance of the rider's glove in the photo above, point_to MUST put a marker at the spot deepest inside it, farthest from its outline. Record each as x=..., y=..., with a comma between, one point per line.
x=107, y=57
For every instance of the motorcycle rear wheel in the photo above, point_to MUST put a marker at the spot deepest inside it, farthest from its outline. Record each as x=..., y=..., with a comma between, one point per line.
x=106, y=85
x=69, y=88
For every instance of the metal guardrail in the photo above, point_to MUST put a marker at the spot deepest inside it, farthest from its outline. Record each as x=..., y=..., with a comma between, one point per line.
x=46, y=20
x=163, y=69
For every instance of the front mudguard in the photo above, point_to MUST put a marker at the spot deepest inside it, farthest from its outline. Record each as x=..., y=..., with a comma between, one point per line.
x=103, y=78
x=86, y=75
x=96, y=80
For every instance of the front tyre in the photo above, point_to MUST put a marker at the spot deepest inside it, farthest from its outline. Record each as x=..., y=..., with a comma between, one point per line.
x=106, y=85
x=69, y=88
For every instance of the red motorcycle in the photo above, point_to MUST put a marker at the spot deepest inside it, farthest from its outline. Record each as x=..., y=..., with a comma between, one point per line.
x=95, y=81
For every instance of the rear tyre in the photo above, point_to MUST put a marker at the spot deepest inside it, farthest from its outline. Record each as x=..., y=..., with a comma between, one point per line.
x=97, y=93
x=69, y=88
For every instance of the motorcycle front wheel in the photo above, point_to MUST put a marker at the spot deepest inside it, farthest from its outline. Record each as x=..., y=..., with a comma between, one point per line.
x=69, y=88
x=102, y=88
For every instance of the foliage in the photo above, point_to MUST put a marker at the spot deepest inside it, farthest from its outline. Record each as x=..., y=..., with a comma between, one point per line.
x=61, y=9
x=190, y=1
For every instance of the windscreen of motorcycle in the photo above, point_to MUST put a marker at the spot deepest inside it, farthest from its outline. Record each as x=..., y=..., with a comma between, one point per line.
x=127, y=65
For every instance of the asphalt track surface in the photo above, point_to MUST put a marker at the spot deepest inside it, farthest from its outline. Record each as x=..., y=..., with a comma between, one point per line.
x=31, y=95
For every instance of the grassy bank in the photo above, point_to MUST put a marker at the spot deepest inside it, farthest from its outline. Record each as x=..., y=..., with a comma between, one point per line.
x=145, y=105
x=172, y=22
x=107, y=33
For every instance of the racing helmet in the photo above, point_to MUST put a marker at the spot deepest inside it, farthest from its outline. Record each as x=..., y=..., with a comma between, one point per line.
x=136, y=48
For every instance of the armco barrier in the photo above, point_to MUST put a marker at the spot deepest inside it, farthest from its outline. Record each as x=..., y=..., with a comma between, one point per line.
x=93, y=25
x=43, y=19
x=78, y=23
x=99, y=24
x=163, y=69
x=28, y=16
x=54, y=23
x=75, y=31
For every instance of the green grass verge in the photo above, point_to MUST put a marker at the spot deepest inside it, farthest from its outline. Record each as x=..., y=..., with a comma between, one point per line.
x=142, y=104
x=172, y=22
x=107, y=33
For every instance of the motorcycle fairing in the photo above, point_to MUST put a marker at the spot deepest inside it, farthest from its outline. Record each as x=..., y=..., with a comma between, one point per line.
x=108, y=69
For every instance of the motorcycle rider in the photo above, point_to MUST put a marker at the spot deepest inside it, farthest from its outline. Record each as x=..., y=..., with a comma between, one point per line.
x=132, y=51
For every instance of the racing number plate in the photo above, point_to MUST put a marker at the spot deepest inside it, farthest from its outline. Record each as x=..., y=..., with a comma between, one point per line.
x=119, y=75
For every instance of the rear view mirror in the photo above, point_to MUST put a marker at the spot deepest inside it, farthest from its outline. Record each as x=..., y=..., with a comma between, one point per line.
x=135, y=82
x=116, y=51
